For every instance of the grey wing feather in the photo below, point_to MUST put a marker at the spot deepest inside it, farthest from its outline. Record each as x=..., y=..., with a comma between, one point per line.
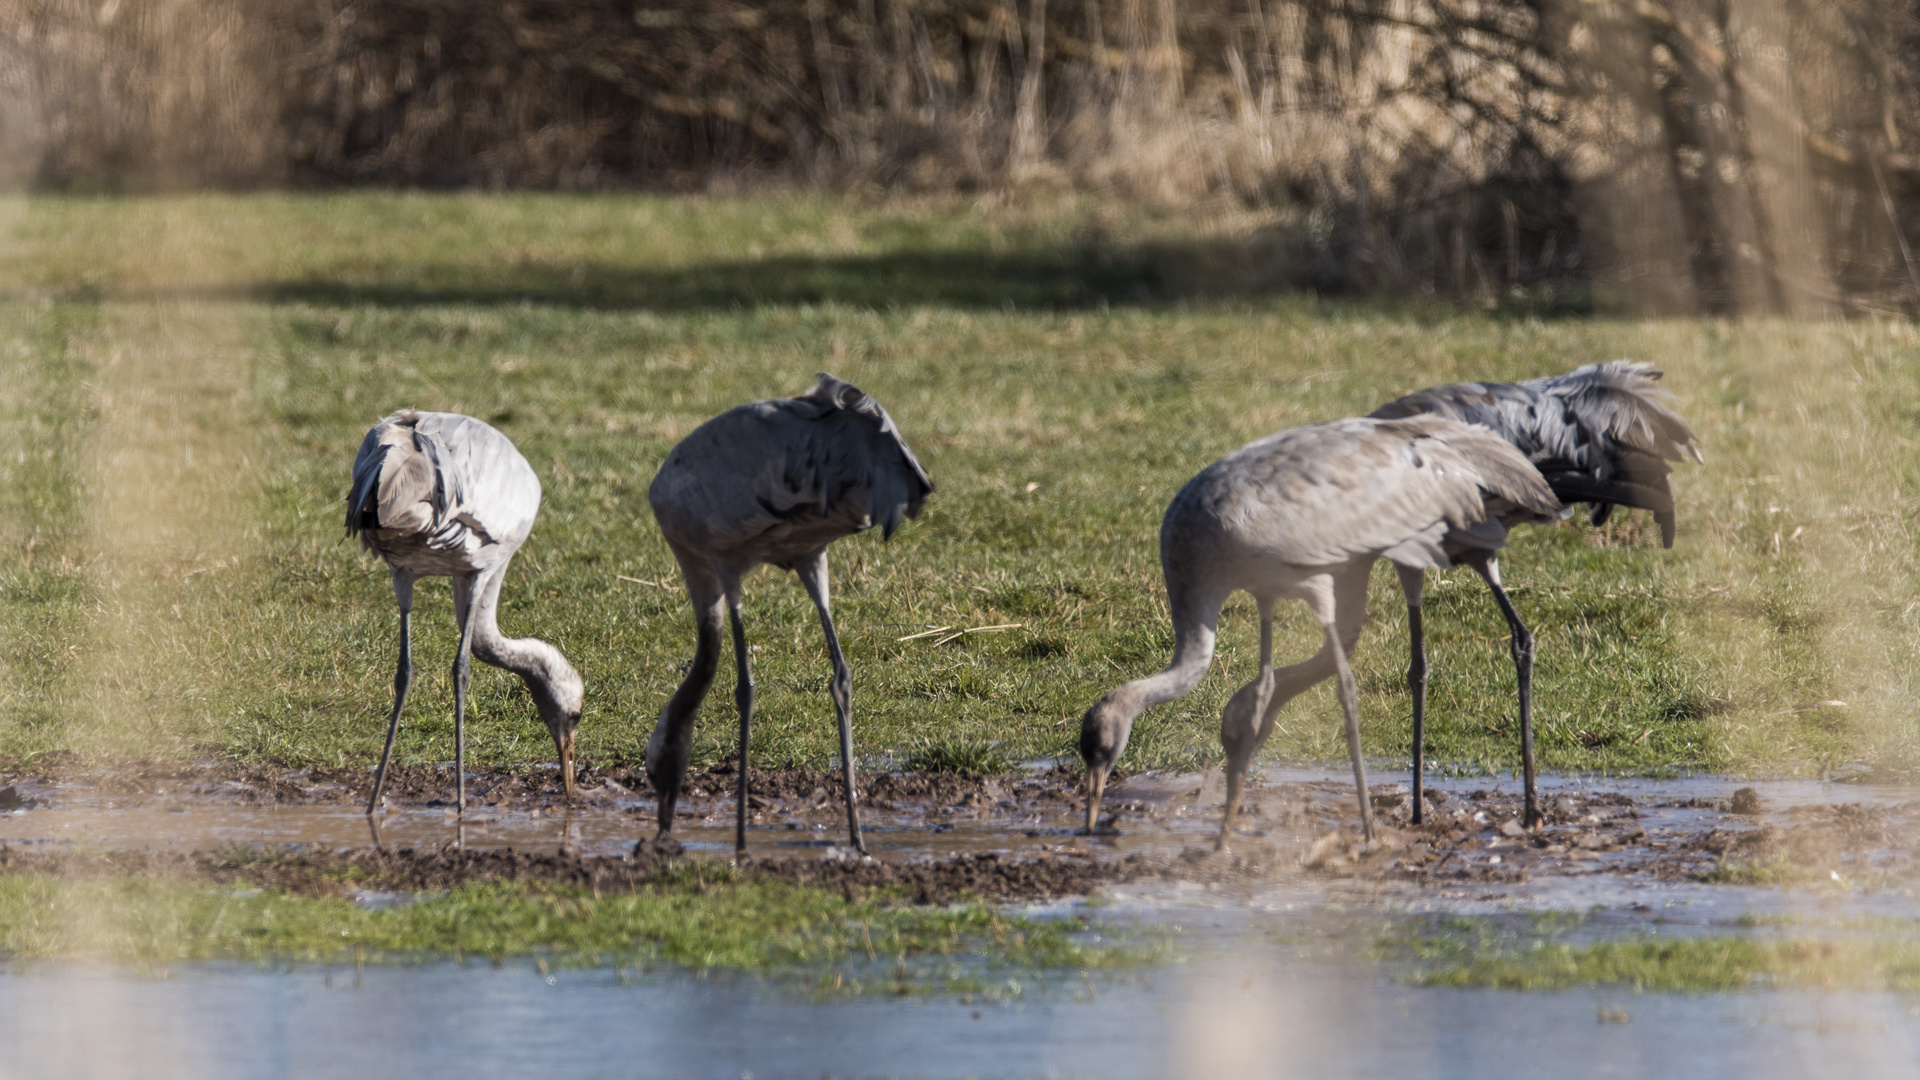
x=447, y=497
x=1327, y=493
x=1601, y=434
x=489, y=486
x=784, y=476
x=395, y=486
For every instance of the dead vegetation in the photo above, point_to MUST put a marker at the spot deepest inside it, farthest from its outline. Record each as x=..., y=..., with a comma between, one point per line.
x=1674, y=155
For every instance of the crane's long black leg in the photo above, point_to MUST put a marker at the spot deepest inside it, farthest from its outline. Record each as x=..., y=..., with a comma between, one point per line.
x=1411, y=580
x=743, y=697
x=402, y=679
x=464, y=592
x=1487, y=564
x=813, y=575
x=671, y=747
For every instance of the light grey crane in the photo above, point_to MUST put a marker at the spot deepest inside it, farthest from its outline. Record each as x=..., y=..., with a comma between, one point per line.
x=1303, y=515
x=445, y=495
x=1601, y=434
x=772, y=482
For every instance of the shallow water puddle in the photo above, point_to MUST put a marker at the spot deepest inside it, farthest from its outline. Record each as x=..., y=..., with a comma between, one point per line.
x=1256, y=1015
x=78, y=817
x=1477, y=869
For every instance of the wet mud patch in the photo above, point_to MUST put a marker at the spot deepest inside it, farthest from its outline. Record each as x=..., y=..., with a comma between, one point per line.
x=1478, y=836
x=352, y=873
x=939, y=836
x=1872, y=844
x=135, y=784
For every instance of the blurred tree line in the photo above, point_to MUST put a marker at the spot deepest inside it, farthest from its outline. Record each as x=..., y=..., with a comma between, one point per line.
x=1660, y=155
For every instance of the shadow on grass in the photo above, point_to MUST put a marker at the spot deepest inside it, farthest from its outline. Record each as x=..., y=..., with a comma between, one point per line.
x=1043, y=279
x=1067, y=277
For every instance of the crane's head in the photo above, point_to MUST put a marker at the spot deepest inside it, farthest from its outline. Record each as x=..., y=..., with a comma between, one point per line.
x=1103, y=736
x=559, y=697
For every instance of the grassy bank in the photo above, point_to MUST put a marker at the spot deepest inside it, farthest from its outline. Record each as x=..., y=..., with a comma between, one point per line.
x=1475, y=952
x=704, y=919
x=184, y=382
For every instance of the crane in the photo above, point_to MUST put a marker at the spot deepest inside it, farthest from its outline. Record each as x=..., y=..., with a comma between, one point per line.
x=444, y=495
x=1600, y=434
x=1303, y=515
x=772, y=482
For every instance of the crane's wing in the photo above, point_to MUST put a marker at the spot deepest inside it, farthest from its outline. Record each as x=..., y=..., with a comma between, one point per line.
x=1324, y=494
x=1621, y=401
x=792, y=471
x=363, y=510
x=1601, y=434
x=444, y=477
x=493, y=490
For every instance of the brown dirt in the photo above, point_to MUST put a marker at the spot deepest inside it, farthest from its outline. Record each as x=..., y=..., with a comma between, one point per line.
x=1821, y=837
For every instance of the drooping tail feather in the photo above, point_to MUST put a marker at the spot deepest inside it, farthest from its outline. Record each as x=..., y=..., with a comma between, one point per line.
x=403, y=480
x=895, y=490
x=363, y=496
x=1600, y=434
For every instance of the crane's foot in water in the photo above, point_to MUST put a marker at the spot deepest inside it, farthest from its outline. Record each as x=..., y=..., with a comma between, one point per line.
x=662, y=846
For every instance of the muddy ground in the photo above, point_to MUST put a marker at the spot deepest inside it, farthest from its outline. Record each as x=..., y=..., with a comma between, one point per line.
x=137, y=784
x=1469, y=836
x=353, y=872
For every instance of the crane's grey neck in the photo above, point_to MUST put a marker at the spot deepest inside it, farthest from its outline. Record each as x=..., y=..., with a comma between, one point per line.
x=1192, y=653
x=1196, y=614
x=1108, y=725
x=534, y=660
x=544, y=668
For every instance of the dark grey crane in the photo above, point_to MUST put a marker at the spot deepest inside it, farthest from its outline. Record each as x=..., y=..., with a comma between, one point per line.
x=772, y=482
x=1303, y=515
x=1602, y=435
x=445, y=495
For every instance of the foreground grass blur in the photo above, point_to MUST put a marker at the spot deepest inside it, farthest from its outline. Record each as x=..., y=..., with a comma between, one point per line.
x=1879, y=955
x=184, y=381
x=696, y=917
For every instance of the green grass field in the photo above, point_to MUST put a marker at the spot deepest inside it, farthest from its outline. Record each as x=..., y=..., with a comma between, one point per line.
x=184, y=383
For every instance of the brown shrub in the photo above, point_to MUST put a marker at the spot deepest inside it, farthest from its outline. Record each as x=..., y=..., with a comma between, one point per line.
x=1679, y=155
